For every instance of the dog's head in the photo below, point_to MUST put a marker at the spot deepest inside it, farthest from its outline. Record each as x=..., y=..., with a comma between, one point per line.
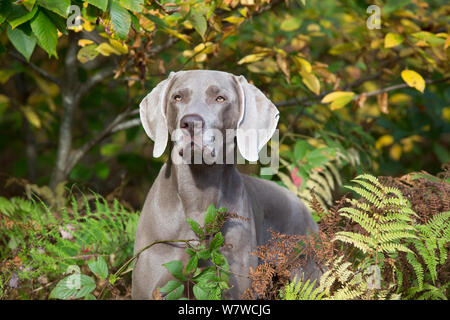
x=200, y=108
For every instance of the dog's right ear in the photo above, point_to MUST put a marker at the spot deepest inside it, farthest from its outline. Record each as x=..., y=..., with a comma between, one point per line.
x=153, y=115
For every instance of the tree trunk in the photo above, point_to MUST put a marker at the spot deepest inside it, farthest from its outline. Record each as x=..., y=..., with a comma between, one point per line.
x=70, y=100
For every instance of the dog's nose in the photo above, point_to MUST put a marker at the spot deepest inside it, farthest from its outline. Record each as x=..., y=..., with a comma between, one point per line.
x=191, y=121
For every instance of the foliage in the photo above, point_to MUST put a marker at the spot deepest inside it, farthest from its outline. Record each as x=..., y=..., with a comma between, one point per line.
x=43, y=244
x=374, y=247
x=209, y=280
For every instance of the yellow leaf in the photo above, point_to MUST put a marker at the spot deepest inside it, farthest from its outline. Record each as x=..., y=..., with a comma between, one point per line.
x=383, y=141
x=84, y=42
x=119, y=46
x=32, y=117
x=446, y=113
x=336, y=95
x=413, y=79
x=392, y=40
x=396, y=152
x=234, y=20
x=106, y=49
x=302, y=64
x=175, y=33
x=311, y=81
x=252, y=57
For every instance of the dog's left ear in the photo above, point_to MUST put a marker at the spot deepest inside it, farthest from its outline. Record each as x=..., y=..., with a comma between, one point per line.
x=257, y=121
x=152, y=110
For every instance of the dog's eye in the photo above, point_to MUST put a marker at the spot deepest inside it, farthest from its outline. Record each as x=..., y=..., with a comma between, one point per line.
x=220, y=99
x=177, y=98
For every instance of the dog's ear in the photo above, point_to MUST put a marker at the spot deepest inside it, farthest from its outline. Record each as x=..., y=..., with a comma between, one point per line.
x=152, y=111
x=257, y=122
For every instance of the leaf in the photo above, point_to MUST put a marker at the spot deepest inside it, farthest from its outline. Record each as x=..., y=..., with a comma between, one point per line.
x=300, y=149
x=195, y=226
x=74, y=286
x=253, y=57
x=211, y=214
x=392, y=40
x=87, y=53
x=290, y=24
x=429, y=37
x=382, y=99
x=200, y=292
x=413, y=79
x=234, y=19
x=60, y=7
x=23, y=18
x=175, y=267
x=99, y=268
x=311, y=82
x=198, y=21
x=192, y=264
x=335, y=95
x=106, y=49
x=119, y=46
x=45, y=32
x=132, y=5
x=32, y=117
x=101, y=4
x=170, y=286
x=175, y=294
x=302, y=64
x=216, y=242
x=120, y=19
x=21, y=41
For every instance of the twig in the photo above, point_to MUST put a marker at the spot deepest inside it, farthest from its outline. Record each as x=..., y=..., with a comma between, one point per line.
x=126, y=264
x=39, y=70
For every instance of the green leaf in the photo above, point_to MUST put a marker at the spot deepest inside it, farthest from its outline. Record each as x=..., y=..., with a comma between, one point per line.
x=120, y=19
x=290, y=24
x=23, y=43
x=132, y=5
x=300, y=149
x=45, y=32
x=192, y=264
x=23, y=18
x=200, y=292
x=195, y=226
x=204, y=254
x=175, y=294
x=101, y=4
x=74, y=286
x=170, y=286
x=87, y=53
x=175, y=267
x=101, y=170
x=60, y=7
x=211, y=214
x=216, y=242
x=198, y=20
x=99, y=268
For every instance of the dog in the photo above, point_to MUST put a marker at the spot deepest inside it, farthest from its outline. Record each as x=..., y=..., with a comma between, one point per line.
x=189, y=102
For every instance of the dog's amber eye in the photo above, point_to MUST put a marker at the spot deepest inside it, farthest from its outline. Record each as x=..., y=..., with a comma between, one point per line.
x=220, y=99
x=177, y=98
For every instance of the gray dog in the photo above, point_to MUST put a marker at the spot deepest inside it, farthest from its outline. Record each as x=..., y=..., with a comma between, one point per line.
x=220, y=101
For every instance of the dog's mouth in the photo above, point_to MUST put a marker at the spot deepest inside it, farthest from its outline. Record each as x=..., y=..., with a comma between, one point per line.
x=198, y=144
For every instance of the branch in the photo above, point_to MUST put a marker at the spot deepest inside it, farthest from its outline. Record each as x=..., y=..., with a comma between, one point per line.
x=39, y=70
x=79, y=153
x=96, y=79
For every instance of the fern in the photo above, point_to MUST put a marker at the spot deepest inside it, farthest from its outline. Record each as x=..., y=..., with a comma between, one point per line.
x=383, y=214
x=48, y=242
x=301, y=290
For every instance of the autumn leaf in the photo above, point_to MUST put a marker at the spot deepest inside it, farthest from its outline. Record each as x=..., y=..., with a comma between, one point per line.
x=413, y=79
x=392, y=40
x=252, y=57
x=311, y=81
x=338, y=99
x=382, y=99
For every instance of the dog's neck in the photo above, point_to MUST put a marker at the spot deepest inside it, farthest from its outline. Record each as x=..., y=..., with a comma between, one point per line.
x=219, y=185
